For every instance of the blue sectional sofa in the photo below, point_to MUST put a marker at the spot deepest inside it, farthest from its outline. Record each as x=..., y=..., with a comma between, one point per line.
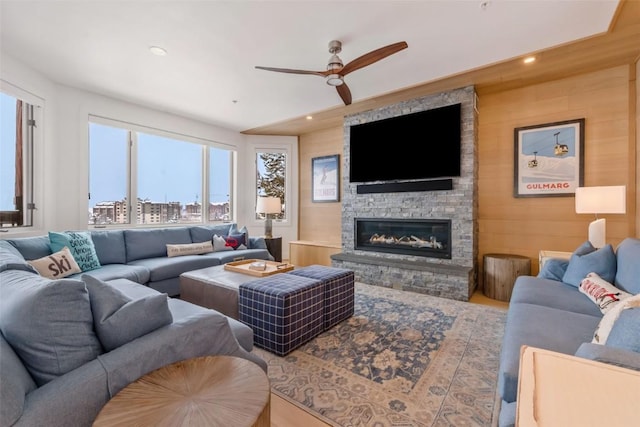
x=560, y=311
x=140, y=255
x=68, y=345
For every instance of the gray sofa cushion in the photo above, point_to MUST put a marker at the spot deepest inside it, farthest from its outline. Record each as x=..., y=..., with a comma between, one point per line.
x=611, y=355
x=166, y=268
x=239, y=254
x=110, y=246
x=152, y=243
x=11, y=259
x=118, y=319
x=554, y=294
x=543, y=327
x=628, y=269
x=135, y=273
x=601, y=261
x=32, y=247
x=625, y=332
x=73, y=399
x=16, y=383
x=48, y=323
x=203, y=233
x=554, y=269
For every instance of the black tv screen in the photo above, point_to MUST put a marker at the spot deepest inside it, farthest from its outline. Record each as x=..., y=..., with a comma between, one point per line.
x=419, y=145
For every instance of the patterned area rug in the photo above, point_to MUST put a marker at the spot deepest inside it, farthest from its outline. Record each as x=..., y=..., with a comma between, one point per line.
x=404, y=359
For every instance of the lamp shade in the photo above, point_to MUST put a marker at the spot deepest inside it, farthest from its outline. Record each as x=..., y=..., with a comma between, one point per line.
x=601, y=200
x=268, y=205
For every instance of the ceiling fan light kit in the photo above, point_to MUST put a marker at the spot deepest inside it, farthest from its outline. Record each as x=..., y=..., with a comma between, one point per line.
x=335, y=72
x=334, y=80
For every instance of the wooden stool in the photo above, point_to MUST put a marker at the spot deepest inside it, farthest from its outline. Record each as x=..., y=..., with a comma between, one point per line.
x=500, y=273
x=216, y=391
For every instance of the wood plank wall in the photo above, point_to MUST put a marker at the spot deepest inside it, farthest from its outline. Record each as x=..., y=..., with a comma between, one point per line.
x=320, y=222
x=523, y=226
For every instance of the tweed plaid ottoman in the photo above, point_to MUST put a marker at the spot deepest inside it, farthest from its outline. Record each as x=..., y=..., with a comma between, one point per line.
x=338, y=291
x=284, y=311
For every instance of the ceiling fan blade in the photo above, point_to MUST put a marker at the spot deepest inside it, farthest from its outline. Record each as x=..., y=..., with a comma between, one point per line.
x=288, y=70
x=345, y=93
x=373, y=56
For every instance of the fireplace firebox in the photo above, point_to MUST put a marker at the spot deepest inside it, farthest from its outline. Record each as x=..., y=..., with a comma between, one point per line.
x=419, y=237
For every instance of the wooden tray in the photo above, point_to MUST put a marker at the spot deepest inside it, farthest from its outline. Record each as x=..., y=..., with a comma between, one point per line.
x=272, y=267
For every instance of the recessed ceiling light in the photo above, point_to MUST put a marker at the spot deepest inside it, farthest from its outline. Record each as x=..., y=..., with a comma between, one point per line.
x=309, y=117
x=529, y=59
x=157, y=50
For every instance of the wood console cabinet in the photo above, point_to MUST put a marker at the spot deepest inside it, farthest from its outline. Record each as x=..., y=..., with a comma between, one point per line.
x=305, y=252
x=557, y=389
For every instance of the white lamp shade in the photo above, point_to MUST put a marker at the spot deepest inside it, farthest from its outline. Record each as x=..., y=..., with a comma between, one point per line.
x=601, y=200
x=268, y=205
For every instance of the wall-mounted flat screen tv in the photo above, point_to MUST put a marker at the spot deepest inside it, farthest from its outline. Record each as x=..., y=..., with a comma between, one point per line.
x=420, y=145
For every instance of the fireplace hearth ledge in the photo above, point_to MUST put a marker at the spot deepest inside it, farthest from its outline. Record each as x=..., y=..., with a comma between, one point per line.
x=441, y=280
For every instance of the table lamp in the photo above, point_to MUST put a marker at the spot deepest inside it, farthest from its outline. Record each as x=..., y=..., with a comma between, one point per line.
x=268, y=206
x=600, y=200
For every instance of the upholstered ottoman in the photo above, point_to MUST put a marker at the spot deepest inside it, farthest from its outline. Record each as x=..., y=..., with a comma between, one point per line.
x=338, y=291
x=284, y=311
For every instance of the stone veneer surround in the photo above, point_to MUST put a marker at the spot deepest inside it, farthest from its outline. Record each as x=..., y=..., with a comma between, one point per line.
x=451, y=278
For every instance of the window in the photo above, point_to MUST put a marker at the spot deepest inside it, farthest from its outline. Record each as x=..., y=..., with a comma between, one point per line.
x=18, y=126
x=170, y=178
x=271, y=167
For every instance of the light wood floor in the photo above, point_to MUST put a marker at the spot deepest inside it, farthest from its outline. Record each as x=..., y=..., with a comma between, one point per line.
x=285, y=414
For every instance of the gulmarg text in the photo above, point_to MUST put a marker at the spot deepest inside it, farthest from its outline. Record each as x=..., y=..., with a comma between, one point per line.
x=548, y=186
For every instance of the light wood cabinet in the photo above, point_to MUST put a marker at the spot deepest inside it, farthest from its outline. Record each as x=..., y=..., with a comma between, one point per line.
x=305, y=252
x=557, y=389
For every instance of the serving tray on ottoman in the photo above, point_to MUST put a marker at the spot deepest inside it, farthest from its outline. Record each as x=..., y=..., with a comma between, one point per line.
x=250, y=266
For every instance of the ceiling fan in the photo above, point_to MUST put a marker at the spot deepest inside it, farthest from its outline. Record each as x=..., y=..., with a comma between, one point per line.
x=336, y=71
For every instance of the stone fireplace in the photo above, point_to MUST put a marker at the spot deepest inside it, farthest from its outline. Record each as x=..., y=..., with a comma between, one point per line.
x=439, y=260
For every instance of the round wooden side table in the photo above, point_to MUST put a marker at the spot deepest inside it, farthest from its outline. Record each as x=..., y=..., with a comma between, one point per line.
x=216, y=391
x=500, y=273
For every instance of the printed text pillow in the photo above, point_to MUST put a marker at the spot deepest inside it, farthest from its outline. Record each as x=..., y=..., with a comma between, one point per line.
x=81, y=246
x=189, y=249
x=56, y=266
x=601, y=292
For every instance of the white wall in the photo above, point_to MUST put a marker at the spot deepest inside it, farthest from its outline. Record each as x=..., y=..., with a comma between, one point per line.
x=65, y=149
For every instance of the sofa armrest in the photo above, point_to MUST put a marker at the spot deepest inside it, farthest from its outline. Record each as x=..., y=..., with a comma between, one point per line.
x=200, y=334
x=611, y=355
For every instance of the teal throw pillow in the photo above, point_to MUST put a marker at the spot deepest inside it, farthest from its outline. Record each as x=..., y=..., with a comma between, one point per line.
x=81, y=246
x=601, y=261
x=118, y=319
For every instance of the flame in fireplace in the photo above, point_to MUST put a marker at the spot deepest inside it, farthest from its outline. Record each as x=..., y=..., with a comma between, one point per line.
x=412, y=241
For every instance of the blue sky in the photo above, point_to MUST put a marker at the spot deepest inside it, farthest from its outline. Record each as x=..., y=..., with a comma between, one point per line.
x=168, y=170
x=544, y=141
x=7, y=151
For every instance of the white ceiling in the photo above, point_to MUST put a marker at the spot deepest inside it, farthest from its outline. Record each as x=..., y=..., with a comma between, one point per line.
x=213, y=46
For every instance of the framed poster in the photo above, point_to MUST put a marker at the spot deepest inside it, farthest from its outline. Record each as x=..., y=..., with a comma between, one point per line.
x=325, y=179
x=549, y=159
